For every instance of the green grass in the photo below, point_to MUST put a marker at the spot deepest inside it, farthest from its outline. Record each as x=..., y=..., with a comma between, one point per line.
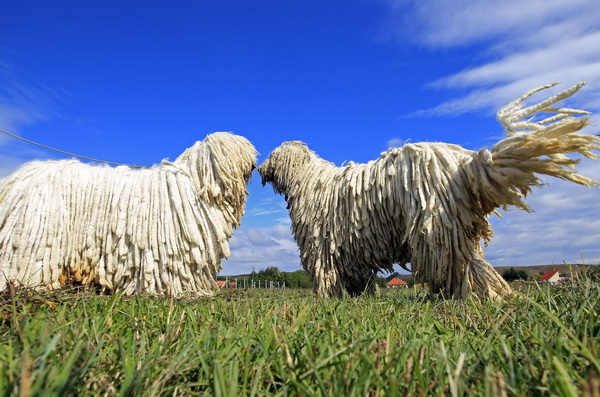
x=272, y=342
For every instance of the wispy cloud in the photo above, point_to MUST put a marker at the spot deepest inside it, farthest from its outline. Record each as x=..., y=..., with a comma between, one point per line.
x=449, y=24
x=21, y=105
x=521, y=45
x=272, y=207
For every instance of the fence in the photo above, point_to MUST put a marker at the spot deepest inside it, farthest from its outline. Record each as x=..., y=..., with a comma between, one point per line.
x=250, y=283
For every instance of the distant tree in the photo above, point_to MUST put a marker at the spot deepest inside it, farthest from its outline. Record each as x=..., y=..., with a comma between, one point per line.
x=512, y=274
x=297, y=279
x=271, y=273
x=392, y=276
x=381, y=281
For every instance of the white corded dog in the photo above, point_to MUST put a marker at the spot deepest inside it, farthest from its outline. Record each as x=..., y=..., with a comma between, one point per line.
x=426, y=204
x=162, y=230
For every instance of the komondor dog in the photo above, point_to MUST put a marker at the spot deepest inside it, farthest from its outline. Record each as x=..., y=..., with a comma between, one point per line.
x=426, y=204
x=162, y=230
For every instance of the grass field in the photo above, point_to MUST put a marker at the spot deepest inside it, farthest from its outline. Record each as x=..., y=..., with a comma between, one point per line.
x=545, y=341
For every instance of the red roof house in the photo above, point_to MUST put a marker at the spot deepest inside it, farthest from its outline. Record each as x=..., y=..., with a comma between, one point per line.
x=551, y=276
x=223, y=284
x=396, y=282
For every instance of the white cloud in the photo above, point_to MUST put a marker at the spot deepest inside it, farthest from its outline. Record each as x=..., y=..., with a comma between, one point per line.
x=565, y=226
x=259, y=248
x=522, y=45
x=394, y=142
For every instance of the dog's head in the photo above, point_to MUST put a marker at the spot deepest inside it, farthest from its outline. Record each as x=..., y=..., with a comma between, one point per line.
x=284, y=165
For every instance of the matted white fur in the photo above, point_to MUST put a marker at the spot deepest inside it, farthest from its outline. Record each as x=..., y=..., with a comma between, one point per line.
x=162, y=230
x=426, y=204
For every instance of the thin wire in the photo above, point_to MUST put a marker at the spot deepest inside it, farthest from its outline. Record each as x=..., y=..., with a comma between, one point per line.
x=70, y=154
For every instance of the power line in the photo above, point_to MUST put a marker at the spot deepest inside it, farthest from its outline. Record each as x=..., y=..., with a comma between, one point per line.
x=67, y=153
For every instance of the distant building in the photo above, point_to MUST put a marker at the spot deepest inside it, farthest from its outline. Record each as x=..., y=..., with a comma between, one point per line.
x=396, y=282
x=551, y=276
x=225, y=284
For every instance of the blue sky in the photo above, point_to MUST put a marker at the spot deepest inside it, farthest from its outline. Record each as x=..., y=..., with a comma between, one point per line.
x=135, y=82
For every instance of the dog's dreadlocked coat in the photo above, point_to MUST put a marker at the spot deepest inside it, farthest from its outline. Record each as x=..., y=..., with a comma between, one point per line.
x=162, y=230
x=426, y=204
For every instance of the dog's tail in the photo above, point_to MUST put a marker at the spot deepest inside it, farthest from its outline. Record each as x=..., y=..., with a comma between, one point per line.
x=504, y=175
